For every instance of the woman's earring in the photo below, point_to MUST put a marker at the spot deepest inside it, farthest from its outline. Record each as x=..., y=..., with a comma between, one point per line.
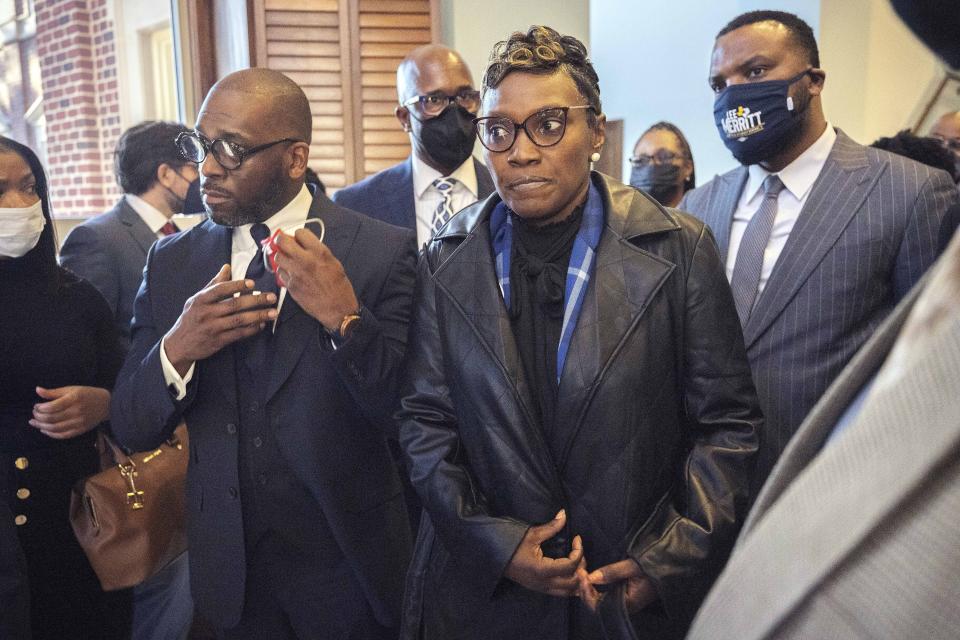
x=595, y=157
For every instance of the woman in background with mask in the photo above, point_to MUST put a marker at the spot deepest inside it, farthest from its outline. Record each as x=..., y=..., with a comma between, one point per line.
x=60, y=353
x=662, y=164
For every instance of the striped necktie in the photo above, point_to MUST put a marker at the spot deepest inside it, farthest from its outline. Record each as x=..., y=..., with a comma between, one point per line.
x=444, y=210
x=749, y=264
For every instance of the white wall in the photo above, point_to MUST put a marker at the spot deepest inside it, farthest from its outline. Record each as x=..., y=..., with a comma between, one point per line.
x=653, y=59
x=879, y=76
x=131, y=18
x=472, y=28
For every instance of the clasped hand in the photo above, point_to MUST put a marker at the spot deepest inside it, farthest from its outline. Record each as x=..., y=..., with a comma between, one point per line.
x=568, y=577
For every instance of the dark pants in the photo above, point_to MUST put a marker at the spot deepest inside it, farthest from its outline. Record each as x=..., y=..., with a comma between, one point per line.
x=284, y=602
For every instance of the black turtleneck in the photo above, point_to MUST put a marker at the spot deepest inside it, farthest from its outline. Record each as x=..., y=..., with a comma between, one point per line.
x=538, y=273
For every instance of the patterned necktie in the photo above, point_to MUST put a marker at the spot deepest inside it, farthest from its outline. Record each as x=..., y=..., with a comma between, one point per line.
x=444, y=210
x=749, y=264
x=169, y=229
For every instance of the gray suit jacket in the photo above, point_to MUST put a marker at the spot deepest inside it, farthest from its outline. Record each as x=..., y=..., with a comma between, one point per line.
x=867, y=233
x=110, y=251
x=858, y=538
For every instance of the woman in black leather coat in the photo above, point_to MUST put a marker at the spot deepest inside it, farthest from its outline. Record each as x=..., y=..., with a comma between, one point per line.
x=579, y=419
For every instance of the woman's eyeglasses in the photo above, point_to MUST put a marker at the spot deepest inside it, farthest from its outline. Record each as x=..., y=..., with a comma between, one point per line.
x=544, y=128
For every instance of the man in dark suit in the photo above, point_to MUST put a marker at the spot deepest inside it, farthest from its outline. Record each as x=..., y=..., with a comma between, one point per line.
x=441, y=176
x=821, y=236
x=295, y=516
x=110, y=250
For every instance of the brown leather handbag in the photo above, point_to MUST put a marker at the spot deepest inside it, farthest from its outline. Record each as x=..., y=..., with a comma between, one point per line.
x=129, y=518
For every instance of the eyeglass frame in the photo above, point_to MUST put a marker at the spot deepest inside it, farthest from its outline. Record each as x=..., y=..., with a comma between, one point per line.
x=207, y=145
x=950, y=144
x=517, y=126
x=653, y=159
x=417, y=100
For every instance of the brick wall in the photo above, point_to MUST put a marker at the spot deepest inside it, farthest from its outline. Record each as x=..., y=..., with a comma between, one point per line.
x=75, y=43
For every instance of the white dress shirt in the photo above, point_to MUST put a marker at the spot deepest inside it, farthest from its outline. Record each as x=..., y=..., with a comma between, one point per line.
x=798, y=178
x=242, y=252
x=427, y=198
x=150, y=215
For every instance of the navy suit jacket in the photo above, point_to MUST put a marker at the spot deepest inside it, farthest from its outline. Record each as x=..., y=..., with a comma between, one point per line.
x=110, y=250
x=866, y=234
x=388, y=195
x=330, y=409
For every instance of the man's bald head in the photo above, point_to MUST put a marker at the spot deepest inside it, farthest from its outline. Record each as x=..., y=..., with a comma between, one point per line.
x=282, y=103
x=947, y=126
x=426, y=66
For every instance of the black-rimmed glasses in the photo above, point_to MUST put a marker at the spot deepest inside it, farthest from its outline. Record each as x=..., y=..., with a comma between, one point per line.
x=194, y=148
x=544, y=128
x=433, y=104
x=660, y=156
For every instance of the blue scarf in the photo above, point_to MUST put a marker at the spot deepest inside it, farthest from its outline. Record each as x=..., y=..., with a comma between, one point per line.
x=578, y=271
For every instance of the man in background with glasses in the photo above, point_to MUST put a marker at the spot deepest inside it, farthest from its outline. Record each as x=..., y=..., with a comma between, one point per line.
x=437, y=104
x=295, y=513
x=947, y=130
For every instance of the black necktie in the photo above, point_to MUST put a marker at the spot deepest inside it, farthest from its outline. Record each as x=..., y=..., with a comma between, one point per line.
x=253, y=350
x=264, y=280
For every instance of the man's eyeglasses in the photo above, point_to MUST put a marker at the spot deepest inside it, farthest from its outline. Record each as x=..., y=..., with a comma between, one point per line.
x=433, y=104
x=544, y=128
x=660, y=156
x=194, y=148
x=952, y=144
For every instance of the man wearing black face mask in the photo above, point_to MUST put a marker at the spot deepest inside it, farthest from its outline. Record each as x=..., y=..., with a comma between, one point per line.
x=437, y=104
x=110, y=251
x=821, y=236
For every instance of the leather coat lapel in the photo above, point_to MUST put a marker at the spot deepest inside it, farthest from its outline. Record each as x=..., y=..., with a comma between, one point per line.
x=838, y=193
x=136, y=227
x=295, y=328
x=469, y=280
x=624, y=280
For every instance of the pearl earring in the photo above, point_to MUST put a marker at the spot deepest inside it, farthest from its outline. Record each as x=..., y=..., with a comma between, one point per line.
x=595, y=157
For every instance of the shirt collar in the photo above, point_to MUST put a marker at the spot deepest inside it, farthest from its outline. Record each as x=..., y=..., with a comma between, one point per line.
x=424, y=175
x=150, y=215
x=798, y=176
x=295, y=212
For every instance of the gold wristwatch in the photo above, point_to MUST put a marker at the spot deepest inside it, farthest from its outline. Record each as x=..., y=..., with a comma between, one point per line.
x=347, y=326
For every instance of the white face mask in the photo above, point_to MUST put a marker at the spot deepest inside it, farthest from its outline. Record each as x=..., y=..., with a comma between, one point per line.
x=20, y=229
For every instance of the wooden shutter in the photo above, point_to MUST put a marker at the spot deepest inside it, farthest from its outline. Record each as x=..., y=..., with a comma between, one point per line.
x=344, y=53
x=386, y=31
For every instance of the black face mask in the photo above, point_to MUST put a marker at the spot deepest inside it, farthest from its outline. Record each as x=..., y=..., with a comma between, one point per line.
x=193, y=202
x=659, y=180
x=449, y=137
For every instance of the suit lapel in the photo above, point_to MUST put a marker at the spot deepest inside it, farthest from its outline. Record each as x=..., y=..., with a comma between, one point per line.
x=407, y=217
x=135, y=226
x=624, y=280
x=850, y=488
x=838, y=193
x=205, y=256
x=723, y=205
x=295, y=328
